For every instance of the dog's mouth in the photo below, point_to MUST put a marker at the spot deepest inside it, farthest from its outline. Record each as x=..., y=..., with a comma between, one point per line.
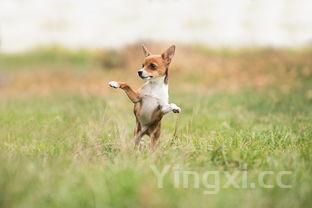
x=145, y=77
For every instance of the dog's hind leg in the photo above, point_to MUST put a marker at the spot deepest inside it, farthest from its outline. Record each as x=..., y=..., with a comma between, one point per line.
x=132, y=94
x=155, y=137
x=138, y=137
x=137, y=131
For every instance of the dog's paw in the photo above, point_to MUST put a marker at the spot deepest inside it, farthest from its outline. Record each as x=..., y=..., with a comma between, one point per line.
x=113, y=84
x=175, y=108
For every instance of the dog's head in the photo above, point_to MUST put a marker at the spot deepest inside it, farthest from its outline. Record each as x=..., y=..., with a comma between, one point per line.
x=155, y=65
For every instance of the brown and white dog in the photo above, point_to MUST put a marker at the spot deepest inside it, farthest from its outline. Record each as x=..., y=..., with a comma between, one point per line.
x=151, y=101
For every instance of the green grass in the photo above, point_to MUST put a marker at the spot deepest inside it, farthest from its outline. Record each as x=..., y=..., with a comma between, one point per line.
x=243, y=112
x=58, y=56
x=47, y=56
x=77, y=151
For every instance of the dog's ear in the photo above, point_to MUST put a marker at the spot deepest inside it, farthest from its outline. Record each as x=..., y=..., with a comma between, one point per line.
x=168, y=54
x=146, y=51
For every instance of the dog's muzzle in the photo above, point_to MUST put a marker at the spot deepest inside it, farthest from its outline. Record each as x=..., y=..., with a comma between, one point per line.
x=143, y=75
x=140, y=73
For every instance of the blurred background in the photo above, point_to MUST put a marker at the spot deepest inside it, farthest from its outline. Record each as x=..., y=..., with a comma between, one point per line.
x=229, y=41
x=242, y=74
x=26, y=24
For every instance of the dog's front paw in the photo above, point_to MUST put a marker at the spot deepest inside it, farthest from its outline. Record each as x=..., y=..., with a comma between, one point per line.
x=113, y=84
x=175, y=108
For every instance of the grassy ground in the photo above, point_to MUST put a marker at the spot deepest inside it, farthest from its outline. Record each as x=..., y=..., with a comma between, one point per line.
x=66, y=139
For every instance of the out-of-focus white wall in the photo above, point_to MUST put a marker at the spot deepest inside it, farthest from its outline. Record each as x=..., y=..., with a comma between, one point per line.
x=98, y=23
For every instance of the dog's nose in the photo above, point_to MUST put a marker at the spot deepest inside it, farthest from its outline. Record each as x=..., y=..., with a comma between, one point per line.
x=140, y=73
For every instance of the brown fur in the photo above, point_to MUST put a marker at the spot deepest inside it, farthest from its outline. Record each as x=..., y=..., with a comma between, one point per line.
x=153, y=129
x=160, y=65
x=132, y=94
x=155, y=66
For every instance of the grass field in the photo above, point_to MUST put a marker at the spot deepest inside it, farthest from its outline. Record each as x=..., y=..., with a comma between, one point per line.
x=66, y=138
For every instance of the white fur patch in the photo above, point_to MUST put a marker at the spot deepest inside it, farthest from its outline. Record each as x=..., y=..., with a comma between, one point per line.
x=154, y=93
x=114, y=84
x=157, y=89
x=175, y=108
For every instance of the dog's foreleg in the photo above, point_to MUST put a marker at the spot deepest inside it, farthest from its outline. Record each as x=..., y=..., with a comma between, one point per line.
x=132, y=94
x=170, y=107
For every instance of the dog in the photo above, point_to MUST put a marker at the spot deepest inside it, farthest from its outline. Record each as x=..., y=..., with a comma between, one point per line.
x=151, y=101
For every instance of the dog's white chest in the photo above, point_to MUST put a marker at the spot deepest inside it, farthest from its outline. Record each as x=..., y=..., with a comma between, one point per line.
x=153, y=94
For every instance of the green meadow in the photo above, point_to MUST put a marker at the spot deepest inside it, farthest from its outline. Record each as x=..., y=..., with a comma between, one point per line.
x=66, y=137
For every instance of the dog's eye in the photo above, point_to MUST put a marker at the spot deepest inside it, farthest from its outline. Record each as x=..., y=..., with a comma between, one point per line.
x=153, y=66
x=142, y=65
